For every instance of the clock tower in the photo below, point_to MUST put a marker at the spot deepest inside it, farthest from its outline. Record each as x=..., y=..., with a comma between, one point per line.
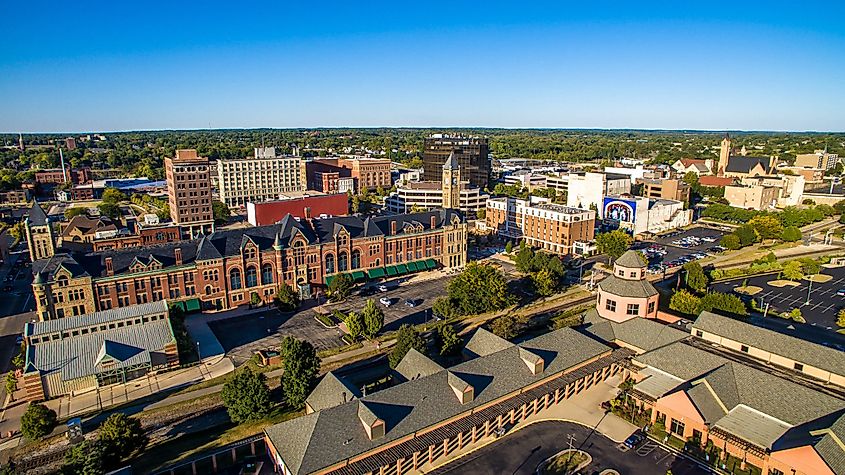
x=451, y=183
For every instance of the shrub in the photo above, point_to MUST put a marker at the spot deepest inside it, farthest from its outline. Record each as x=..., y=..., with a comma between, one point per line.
x=37, y=421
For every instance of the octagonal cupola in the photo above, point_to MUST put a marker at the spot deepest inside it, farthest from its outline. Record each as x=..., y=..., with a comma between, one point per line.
x=630, y=266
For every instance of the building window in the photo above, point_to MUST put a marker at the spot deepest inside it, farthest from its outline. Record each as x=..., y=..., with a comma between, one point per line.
x=699, y=333
x=677, y=428
x=633, y=309
x=743, y=348
x=329, y=264
x=251, y=276
x=798, y=367
x=633, y=273
x=266, y=274
x=610, y=305
x=651, y=307
x=342, y=262
x=774, y=471
x=235, y=279
x=356, y=259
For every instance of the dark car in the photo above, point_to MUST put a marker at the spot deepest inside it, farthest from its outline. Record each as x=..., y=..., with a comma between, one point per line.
x=411, y=303
x=367, y=291
x=634, y=439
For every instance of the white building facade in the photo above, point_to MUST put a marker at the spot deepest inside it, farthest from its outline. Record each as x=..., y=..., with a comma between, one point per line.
x=589, y=189
x=261, y=178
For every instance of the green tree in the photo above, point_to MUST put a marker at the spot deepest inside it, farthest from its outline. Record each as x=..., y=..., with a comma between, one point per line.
x=767, y=227
x=792, y=271
x=70, y=213
x=449, y=341
x=443, y=307
x=505, y=327
x=810, y=266
x=727, y=303
x=795, y=314
x=286, y=298
x=613, y=244
x=747, y=235
x=301, y=366
x=354, y=324
x=373, y=319
x=523, y=259
x=544, y=282
x=355, y=204
x=508, y=247
x=246, y=395
x=340, y=287
x=694, y=277
x=480, y=213
x=791, y=234
x=730, y=241
x=221, y=211
x=11, y=385
x=254, y=299
x=110, y=210
x=120, y=436
x=684, y=302
x=407, y=337
x=479, y=288
x=37, y=421
x=85, y=458
x=113, y=196
x=840, y=318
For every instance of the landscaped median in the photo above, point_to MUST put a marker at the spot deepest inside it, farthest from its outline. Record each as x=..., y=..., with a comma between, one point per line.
x=565, y=462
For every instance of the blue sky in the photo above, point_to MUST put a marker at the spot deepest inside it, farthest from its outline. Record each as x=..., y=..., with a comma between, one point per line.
x=89, y=66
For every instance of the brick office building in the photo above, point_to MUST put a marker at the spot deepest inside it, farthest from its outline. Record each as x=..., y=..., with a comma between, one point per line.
x=55, y=176
x=189, y=192
x=327, y=174
x=224, y=269
x=552, y=227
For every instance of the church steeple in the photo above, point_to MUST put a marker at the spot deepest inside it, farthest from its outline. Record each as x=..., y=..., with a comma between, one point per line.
x=451, y=183
x=724, y=155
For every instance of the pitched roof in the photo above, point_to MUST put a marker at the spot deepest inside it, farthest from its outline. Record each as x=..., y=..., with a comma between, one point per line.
x=87, y=225
x=642, y=333
x=96, y=318
x=484, y=343
x=788, y=346
x=327, y=437
x=416, y=365
x=831, y=446
x=743, y=164
x=331, y=391
x=37, y=216
x=640, y=288
x=451, y=163
x=631, y=259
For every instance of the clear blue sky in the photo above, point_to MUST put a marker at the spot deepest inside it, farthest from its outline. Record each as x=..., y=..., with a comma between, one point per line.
x=90, y=66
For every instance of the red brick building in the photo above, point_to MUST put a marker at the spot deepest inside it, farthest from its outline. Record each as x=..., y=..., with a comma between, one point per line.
x=299, y=206
x=189, y=192
x=223, y=270
x=54, y=176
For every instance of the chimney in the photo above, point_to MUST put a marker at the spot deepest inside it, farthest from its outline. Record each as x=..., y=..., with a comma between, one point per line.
x=109, y=268
x=307, y=212
x=433, y=221
x=392, y=228
x=178, y=255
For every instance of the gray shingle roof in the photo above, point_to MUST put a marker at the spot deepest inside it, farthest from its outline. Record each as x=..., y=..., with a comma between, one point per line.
x=416, y=365
x=336, y=434
x=331, y=391
x=639, y=332
x=788, y=346
x=484, y=343
x=830, y=446
x=627, y=288
x=631, y=259
x=37, y=216
x=742, y=164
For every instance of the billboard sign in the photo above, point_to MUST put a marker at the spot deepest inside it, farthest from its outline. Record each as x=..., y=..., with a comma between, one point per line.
x=622, y=210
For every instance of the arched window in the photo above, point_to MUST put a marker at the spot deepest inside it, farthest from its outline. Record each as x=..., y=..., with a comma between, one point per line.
x=342, y=239
x=266, y=274
x=235, y=279
x=208, y=290
x=330, y=264
x=356, y=259
x=298, y=253
x=342, y=261
x=249, y=253
x=251, y=276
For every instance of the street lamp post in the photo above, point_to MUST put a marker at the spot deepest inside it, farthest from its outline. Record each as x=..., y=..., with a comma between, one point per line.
x=809, y=288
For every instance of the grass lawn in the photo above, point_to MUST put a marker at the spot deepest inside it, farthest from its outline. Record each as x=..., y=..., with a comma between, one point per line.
x=222, y=378
x=564, y=463
x=189, y=446
x=749, y=290
x=782, y=283
x=819, y=278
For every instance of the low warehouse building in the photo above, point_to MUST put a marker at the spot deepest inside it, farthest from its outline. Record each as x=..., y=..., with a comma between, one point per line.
x=76, y=354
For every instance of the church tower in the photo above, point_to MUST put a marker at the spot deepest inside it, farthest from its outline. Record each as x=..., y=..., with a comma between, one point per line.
x=451, y=183
x=39, y=234
x=724, y=155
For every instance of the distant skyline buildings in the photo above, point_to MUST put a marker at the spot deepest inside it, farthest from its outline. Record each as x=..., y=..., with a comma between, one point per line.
x=702, y=66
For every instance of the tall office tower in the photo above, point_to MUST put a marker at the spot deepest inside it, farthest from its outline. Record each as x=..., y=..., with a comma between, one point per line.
x=189, y=192
x=472, y=154
x=262, y=178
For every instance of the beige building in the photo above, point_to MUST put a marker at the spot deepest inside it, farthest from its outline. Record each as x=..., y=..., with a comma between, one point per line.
x=261, y=178
x=451, y=192
x=818, y=159
x=668, y=189
x=752, y=197
x=39, y=234
x=189, y=192
x=371, y=173
x=555, y=228
x=763, y=192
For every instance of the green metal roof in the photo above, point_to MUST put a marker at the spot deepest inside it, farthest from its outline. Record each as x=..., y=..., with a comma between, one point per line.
x=329, y=279
x=376, y=273
x=430, y=263
x=412, y=267
x=391, y=270
x=402, y=269
x=359, y=275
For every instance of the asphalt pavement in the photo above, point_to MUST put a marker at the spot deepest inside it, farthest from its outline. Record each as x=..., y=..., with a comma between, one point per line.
x=522, y=451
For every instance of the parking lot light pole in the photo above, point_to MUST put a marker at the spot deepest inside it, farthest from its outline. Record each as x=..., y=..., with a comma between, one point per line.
x=809, y=288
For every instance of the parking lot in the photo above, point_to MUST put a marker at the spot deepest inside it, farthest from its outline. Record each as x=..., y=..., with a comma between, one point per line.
x=679, y=247
x=522, y=451
x=824, y=303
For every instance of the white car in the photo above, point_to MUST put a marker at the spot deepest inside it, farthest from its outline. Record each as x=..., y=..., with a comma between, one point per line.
x=385, y=301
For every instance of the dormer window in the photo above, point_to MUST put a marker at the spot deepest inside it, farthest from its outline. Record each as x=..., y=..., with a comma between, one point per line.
x=249, y=253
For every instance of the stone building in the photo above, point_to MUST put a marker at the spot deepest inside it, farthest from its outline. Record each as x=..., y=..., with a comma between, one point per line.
x=39, y=234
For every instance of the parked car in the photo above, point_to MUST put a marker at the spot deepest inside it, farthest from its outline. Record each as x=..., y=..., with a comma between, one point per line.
x=411, y=303
x=386, y=301
x=840, y=292
x=367, y=291
x=634, y=439
x=382, y=288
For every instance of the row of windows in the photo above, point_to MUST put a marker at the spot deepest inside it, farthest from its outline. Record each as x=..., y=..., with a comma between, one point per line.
x=632, y=308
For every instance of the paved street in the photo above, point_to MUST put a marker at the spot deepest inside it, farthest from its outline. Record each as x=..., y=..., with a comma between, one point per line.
x=522, y=451
x=243, y=335
x=824, y=303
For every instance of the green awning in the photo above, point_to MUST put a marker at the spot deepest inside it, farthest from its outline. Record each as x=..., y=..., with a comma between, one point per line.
x=359, y=275
x=402, y=269
x=179, y=304
x=192, y=305
x=430, y=263
x=329, y=279
x=412, y=267
x=376, y=273
x=391, y=270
